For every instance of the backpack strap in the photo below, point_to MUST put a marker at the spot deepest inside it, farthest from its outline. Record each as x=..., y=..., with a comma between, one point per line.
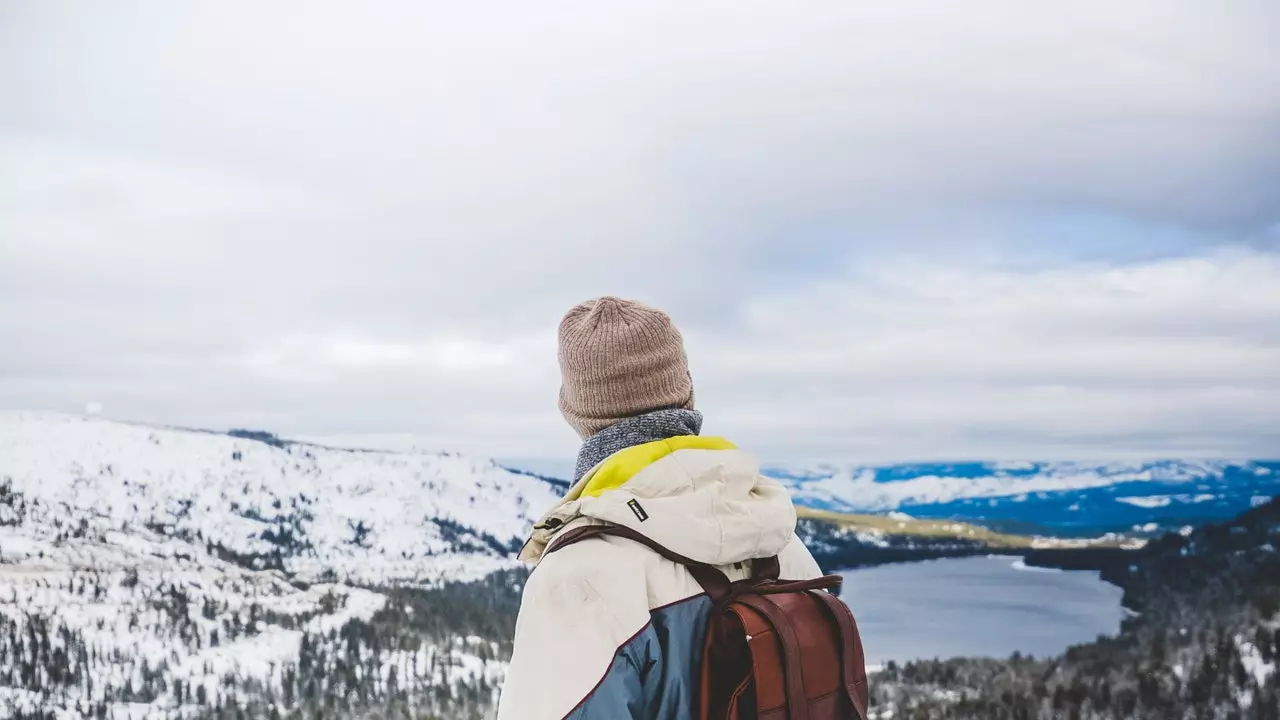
x=710, y=578
x=830, y=583
x=797, y=700
x=850, y=650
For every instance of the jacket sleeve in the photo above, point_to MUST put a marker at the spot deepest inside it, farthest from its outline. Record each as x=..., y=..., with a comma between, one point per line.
x=571, y=658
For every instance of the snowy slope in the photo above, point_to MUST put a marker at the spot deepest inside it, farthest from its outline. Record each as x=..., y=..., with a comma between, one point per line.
x=315, y=512
x=159, y=572
x=1064, y=496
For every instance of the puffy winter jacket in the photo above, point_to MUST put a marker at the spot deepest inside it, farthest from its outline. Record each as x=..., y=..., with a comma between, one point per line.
x=610, y=630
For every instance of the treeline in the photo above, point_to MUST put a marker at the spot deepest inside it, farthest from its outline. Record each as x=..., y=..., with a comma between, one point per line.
x=840, y=548
x=433, y=653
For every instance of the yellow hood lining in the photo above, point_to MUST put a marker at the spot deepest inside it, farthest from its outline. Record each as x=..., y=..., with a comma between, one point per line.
x=623, y=465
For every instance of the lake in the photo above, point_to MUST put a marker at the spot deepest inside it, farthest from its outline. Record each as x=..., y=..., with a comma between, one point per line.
x=977, y=607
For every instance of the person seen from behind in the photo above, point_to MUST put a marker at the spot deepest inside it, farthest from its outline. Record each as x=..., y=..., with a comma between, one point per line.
x=608, y=628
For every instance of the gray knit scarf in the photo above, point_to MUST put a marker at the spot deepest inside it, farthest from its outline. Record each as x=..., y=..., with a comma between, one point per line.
x=650, y=427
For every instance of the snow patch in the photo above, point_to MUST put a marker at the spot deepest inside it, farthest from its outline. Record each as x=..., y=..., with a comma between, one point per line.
x=1254, y=665
x=1021, y=566
x=1155, y=501
x=1159, y=501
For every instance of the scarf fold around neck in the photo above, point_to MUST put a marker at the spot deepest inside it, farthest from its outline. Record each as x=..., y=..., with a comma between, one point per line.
x=647, y=428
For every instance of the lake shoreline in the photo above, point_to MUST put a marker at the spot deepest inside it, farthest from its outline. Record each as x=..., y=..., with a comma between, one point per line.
x=980, y=606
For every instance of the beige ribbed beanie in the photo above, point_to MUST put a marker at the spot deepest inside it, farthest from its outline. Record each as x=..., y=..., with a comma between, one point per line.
x=619, y=359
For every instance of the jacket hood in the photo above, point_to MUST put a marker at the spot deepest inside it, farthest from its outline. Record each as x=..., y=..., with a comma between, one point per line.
x=700, y=497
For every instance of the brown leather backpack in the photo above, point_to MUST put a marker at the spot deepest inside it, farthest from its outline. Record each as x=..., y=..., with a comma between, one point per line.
x=775, y=650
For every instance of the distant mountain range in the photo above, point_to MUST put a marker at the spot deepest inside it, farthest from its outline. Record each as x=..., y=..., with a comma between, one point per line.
x=1058, y=498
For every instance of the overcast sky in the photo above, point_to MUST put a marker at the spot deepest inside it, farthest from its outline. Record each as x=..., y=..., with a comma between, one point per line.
x=888, y=230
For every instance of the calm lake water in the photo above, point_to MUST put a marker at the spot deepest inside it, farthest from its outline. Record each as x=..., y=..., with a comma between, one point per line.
x=977, y=607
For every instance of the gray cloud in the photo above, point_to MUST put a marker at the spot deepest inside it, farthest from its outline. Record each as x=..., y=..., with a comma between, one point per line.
x=367, y=220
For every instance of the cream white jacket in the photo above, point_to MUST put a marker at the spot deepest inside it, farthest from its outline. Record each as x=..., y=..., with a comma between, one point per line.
x=610, y=630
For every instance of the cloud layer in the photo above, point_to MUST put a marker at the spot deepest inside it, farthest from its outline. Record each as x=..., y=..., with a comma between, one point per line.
x=888, y=230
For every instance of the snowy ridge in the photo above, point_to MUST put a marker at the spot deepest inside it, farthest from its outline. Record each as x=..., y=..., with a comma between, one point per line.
x=315, y=512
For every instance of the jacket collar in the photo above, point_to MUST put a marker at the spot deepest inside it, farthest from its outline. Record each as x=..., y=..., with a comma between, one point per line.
x=699, y=496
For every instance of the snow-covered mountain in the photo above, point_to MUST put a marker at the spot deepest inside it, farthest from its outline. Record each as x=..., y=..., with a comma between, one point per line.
x=153, y=572
x=315, y=512
x=1060, y=497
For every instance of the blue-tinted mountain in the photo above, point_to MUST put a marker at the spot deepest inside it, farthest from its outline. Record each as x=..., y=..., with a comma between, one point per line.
x=1061, y=498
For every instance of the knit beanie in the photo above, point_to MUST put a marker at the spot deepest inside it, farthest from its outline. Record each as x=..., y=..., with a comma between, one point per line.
x=619, y=359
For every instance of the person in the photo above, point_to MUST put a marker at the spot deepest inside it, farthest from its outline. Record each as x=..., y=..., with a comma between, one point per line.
x=608, y=629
